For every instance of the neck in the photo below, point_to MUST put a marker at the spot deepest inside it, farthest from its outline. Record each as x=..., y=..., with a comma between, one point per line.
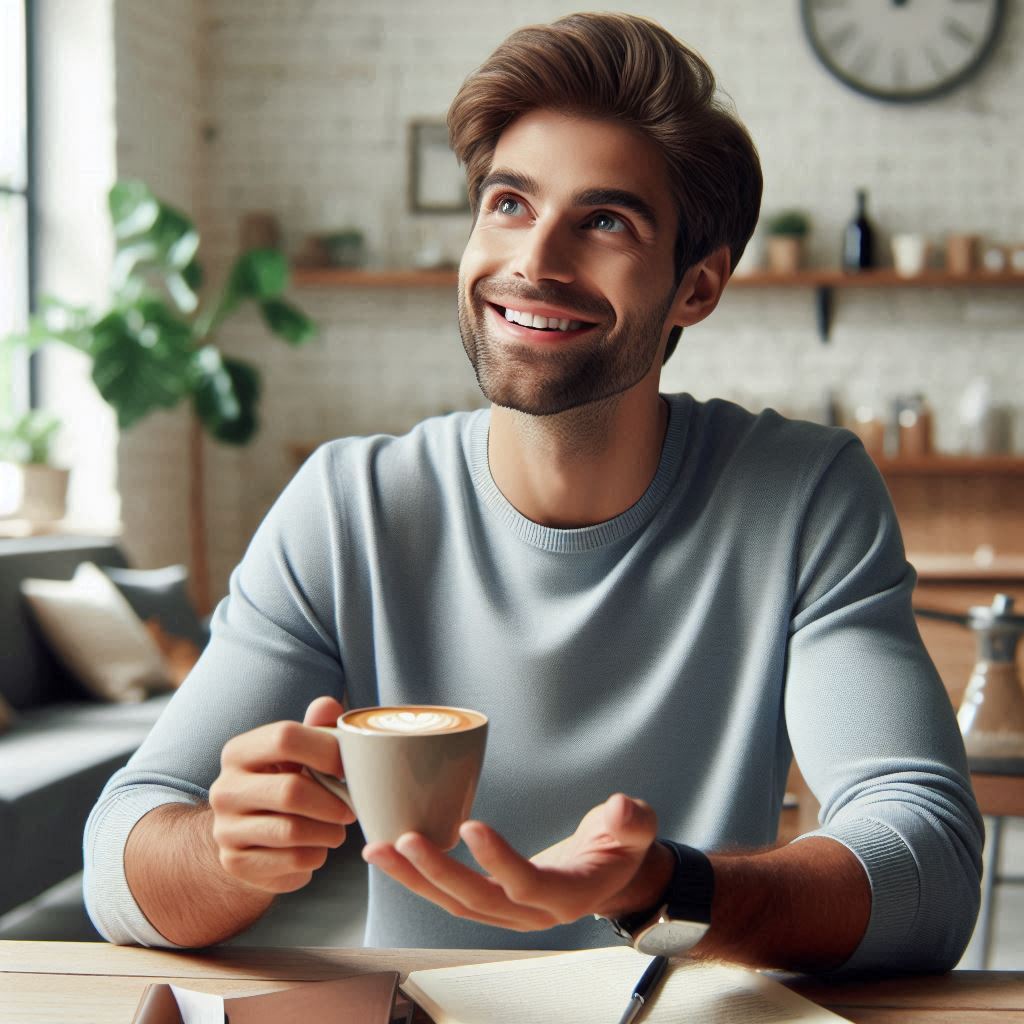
x=583, y=466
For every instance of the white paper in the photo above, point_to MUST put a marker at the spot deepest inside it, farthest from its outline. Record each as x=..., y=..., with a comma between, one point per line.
x=198, y=1007
x=595, y=985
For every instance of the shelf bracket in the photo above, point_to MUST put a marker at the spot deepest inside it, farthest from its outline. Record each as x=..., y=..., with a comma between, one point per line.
x=823, y=311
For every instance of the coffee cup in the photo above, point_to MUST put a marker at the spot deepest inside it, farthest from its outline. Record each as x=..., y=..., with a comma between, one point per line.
x=409, y=768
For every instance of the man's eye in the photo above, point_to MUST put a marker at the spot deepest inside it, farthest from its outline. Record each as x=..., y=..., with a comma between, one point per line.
x=608, y=222
x=507, y=205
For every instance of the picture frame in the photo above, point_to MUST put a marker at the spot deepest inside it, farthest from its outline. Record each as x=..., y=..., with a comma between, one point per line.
x=436, y=182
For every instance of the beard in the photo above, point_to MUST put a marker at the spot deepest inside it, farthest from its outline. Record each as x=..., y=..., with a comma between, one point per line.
x=544, y=382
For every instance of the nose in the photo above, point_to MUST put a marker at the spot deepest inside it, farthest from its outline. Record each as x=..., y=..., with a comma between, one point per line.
x=543, y=252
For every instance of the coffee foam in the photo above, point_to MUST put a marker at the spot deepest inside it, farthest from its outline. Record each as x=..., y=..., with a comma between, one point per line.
x=413, y=720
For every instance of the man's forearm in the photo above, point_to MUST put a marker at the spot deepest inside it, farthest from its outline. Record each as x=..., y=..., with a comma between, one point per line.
x=804, y=906
x=173, y=870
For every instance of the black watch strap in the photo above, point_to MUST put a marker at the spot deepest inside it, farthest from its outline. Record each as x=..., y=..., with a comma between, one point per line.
x=688, y=896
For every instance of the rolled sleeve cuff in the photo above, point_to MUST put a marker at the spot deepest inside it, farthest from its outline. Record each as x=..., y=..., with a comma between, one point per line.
x=895, y=891
x=108, y=899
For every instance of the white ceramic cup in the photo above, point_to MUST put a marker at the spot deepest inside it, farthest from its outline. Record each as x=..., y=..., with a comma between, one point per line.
x=910, y=254
x=409, y=768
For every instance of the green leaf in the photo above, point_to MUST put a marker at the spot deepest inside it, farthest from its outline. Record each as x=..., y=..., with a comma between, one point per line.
x=193, y=275
x=28, y=438
x=287, y=322
x=258, y=274
x=149, y=233
x=184, y=298
x=141, y=360
x=226, y=396
x=133, y=208
x=55, y=321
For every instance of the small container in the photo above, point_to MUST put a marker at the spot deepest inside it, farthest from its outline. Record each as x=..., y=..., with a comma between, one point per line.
x=962, y=253
x=993, y=259
x=870, y=428
x=913, y=426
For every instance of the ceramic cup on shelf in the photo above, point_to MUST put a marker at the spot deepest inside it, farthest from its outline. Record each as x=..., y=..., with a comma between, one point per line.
x=910, y=254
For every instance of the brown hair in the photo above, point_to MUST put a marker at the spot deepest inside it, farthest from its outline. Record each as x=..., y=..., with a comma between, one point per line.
x=632, y=70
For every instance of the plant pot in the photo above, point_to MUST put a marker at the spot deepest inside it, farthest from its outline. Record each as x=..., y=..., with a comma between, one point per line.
x=785, y=253
x=32, y=492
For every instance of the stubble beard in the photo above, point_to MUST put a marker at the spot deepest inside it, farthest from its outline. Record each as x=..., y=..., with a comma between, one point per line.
x=548, y=382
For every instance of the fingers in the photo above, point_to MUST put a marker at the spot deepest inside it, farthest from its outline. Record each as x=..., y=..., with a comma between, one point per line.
x=426, y=870
x=245, y=793
x=630, y=823
x=283, y=743
x=273, y=870
x=276, y=831
x=272, y=823
x=323, y=711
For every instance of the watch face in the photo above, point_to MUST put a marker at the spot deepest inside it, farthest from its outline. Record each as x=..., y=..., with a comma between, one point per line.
x=902, y=51
x=670, y=938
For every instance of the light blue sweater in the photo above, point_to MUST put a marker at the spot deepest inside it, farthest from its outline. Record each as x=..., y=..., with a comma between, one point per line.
x=753, y=605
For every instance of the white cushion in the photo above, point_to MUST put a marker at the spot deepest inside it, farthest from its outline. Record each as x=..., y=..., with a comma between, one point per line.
x=95, y=632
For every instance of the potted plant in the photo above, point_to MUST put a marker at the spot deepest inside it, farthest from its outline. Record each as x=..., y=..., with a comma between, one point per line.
x=31, y=487
x=786, y=232
x=153, y=345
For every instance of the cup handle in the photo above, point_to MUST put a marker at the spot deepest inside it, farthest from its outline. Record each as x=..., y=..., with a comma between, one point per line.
x=330, y=782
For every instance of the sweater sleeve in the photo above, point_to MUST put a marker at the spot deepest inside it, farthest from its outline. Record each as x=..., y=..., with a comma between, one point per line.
x=273, y=649
x=873, y=730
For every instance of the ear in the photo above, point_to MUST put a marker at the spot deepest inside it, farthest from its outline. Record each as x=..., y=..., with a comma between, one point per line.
x=701, y=288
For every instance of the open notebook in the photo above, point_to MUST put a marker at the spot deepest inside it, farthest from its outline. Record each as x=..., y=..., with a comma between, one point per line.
x=595, y=985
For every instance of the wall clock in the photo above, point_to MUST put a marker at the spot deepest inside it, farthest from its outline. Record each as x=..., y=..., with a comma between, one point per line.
x=902, y=51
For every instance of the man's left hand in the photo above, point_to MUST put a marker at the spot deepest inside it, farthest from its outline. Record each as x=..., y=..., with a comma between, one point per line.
x=610, y=865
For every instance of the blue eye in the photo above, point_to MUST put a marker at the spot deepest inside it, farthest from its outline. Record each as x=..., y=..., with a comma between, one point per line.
x=507, y=205
x=608, y=222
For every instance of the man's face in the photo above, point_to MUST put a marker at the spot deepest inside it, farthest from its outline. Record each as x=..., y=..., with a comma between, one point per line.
x=576, y=226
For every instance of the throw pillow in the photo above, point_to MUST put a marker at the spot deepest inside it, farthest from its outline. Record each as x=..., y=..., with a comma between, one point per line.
x=94, y=631
x=161, y=594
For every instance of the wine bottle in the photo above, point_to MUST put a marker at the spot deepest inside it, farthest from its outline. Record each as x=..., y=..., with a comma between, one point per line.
x=858, y=238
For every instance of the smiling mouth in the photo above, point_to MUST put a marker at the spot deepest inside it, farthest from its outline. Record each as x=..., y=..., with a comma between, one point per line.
x=538, y=323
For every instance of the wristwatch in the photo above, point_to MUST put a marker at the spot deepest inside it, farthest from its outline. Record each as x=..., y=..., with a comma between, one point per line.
x=680, y=919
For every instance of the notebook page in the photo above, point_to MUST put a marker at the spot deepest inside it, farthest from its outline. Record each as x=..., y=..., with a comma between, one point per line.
x=594, y=985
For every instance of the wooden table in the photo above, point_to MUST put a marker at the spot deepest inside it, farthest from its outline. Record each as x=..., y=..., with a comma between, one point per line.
x=69, y=982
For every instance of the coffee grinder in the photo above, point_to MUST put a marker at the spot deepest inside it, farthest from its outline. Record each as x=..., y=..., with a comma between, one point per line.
x=991, y=714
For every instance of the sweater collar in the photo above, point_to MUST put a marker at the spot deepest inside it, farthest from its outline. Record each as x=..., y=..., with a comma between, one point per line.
x=584, y=538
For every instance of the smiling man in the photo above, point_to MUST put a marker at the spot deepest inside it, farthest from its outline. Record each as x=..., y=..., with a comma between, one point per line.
x=646, y=594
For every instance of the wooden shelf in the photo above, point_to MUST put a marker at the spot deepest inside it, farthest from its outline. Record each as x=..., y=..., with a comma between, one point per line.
x=1006, y=568
x=823, y=282
x=953, y=465
x=883, y=278
x=335, y=277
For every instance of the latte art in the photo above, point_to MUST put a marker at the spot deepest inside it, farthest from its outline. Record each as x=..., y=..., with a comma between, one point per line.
x=413, y=721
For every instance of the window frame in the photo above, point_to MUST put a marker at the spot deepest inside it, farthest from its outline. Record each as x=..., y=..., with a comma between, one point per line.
x=28, y=194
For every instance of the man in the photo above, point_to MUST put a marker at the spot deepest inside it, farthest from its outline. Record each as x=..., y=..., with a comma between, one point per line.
x=645, y=594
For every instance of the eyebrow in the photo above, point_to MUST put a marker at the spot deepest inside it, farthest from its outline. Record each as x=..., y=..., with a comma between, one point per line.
x=587, y=197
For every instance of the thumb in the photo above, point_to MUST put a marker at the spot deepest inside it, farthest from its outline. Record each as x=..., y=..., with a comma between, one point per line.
x=632, y=823
x=323, y=711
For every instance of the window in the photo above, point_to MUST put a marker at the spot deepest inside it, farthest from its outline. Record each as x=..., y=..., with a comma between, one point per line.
x=15, y=198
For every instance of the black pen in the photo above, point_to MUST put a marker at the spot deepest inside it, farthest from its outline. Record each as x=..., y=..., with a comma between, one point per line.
x=644, y=988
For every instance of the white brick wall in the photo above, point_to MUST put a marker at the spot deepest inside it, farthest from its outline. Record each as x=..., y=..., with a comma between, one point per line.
x=158, y=76
x=305, y=107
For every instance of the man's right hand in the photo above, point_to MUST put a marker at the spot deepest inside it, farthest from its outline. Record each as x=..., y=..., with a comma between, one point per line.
x=273, y=824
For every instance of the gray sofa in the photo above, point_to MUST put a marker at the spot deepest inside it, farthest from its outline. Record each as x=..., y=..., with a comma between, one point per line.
x=64, y=745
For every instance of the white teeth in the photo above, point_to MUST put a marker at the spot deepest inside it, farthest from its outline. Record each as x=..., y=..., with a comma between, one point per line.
x=550, y=323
